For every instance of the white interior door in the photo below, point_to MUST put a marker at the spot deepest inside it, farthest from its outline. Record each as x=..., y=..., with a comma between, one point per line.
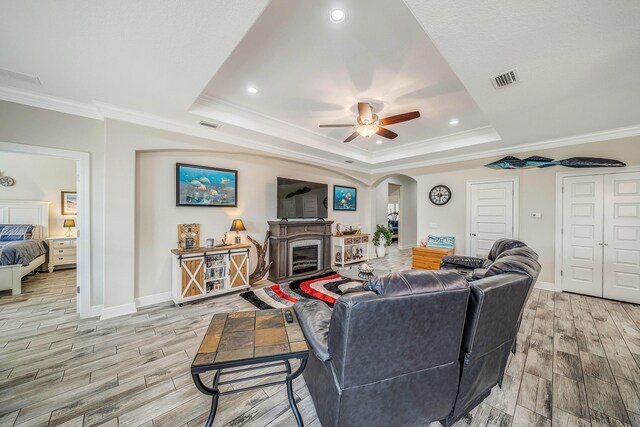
x=622, y=237
x=582, y=222
x=492, y=215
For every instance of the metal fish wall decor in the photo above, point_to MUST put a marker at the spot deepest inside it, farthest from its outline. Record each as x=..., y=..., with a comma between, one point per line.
x=511, y=162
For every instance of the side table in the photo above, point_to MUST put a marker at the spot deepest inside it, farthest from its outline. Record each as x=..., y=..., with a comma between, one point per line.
x=245, y=341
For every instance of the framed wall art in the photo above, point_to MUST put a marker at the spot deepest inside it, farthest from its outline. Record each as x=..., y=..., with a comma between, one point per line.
x=69, y=202
x=206, y=186
x=344, y=198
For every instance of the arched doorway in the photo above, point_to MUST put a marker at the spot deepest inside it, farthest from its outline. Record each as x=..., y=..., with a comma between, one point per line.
x=397, y=193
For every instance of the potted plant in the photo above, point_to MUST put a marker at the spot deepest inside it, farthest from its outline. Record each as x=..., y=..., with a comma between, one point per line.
x=381, y=239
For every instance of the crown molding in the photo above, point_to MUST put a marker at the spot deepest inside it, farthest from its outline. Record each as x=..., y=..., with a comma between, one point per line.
x=434, y=145
x=157, y=122
x=21, y=96
x=220, y=110
x=587, y=138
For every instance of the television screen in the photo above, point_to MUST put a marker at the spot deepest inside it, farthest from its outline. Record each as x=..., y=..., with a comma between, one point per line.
x=302, y=199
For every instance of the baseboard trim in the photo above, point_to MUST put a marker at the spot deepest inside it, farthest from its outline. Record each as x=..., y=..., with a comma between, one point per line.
x=96, y=310
x=153, y=299
x=545, y=286
x=118, y=310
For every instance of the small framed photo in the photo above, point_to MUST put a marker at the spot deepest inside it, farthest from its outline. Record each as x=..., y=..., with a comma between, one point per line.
x=69, y=202
x=344, y=198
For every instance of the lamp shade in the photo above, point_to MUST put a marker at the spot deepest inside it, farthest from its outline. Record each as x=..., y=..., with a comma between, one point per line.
x=69, y=223
x=237, y=225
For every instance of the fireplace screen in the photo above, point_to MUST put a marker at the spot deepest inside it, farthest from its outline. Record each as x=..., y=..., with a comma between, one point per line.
x=304, y=259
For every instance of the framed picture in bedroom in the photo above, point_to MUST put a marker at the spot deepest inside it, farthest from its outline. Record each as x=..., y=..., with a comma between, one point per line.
x=344, y=198
x=206, y=186
x=69, y=202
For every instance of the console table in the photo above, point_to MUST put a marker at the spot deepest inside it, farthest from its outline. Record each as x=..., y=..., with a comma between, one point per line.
x=205, y=272
x=348, y=249
x=245, y=341
x=426, y=258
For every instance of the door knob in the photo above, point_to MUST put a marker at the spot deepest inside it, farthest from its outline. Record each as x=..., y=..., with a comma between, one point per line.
x=473, y=234
x=600, y=244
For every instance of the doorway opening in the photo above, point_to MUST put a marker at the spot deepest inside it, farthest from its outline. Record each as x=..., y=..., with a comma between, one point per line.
x=393, y=211
x=57, y=181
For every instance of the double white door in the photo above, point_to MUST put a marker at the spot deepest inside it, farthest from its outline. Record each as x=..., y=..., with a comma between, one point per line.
x=601, y=236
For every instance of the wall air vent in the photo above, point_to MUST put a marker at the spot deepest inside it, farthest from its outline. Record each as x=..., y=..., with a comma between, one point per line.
x=508, y=78
x=12, y=76
x=209, y=124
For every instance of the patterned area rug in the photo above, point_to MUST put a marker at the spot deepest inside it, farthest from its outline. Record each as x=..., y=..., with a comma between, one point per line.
x=326, y=287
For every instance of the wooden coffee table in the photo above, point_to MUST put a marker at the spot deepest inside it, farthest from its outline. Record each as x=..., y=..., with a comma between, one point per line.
x=245, y=341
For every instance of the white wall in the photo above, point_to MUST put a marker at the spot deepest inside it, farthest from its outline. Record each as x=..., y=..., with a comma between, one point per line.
x=537, y=194
x=157, y=216
x=40, y=178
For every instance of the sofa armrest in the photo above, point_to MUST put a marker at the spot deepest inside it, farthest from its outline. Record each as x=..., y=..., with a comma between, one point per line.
x=463, y=261
x=314, y=317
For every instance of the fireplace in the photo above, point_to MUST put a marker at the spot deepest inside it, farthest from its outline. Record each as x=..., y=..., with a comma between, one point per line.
x=299, y=249
x=305, y=256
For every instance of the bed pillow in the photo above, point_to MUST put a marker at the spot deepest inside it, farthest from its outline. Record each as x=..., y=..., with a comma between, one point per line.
x=14, y=232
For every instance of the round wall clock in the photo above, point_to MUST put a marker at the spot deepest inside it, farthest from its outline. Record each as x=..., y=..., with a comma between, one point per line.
x=440, y=195
x=6, y=181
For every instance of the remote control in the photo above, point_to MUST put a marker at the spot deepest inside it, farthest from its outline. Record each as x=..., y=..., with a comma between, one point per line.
x=288, y=316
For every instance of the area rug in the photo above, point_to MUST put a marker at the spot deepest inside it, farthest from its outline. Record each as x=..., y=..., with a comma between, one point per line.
x=325, y=287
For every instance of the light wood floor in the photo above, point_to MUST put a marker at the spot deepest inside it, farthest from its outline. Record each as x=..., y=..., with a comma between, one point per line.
x=576, y=365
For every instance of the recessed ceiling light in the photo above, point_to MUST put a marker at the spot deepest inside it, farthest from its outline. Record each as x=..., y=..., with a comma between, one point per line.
x=454, y=122
x=379, y=141
x=337, y=15
x=252, y=90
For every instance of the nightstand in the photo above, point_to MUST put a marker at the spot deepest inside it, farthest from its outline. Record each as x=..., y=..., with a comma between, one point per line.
x=62, y=251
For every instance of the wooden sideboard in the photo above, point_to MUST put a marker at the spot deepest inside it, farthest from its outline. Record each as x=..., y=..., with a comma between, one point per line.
x=205, y=272
x=428, y=258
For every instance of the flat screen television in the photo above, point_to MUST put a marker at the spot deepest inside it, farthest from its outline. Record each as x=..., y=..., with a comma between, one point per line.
x=302, y=199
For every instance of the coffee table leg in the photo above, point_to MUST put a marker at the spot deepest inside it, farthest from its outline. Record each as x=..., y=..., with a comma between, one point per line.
x=211, y=391
x=289, y=381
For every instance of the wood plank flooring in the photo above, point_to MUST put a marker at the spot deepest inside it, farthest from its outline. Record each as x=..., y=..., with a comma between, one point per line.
x=576, y=364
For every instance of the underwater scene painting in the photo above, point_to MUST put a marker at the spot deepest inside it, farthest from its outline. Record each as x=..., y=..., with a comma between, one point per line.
x=204, y=186
x=344, y=198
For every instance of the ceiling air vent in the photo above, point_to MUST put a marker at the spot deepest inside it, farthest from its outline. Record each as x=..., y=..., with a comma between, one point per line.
x=209, y=124
x=9, y=75
x=507, y=78
x=348, y=161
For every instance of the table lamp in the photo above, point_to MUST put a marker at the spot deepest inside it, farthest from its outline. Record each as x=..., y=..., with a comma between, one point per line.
x=69, y=223
x=237, y=226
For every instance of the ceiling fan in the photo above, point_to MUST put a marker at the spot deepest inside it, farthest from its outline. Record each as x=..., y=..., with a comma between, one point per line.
x=369, y=124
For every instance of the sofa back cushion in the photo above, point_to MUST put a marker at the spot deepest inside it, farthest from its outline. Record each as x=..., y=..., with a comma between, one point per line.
x=495, y=304
x=415, y=323
x=502, y=245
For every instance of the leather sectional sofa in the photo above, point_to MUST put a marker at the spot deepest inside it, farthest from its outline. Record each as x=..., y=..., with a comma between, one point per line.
x=414, y=347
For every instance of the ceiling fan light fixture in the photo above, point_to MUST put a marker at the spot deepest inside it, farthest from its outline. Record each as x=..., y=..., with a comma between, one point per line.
x=367, y=130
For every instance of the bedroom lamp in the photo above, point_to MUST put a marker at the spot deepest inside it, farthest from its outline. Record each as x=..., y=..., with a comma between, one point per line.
x=69, y=223
x=237, y=226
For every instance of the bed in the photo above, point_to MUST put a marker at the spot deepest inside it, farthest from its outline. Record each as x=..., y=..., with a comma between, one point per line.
x=20, y=257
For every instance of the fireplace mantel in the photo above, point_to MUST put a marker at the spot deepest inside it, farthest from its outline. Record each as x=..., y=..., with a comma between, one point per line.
x=283, y=233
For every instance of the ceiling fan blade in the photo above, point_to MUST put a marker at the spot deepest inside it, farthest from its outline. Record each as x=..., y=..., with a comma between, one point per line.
x=386, y=133
x=351, y=137
x=337, y=126
x=364, y=110
x=400, y=118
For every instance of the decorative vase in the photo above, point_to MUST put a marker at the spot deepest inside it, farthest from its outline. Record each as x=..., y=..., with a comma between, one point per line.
x=381, y=250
